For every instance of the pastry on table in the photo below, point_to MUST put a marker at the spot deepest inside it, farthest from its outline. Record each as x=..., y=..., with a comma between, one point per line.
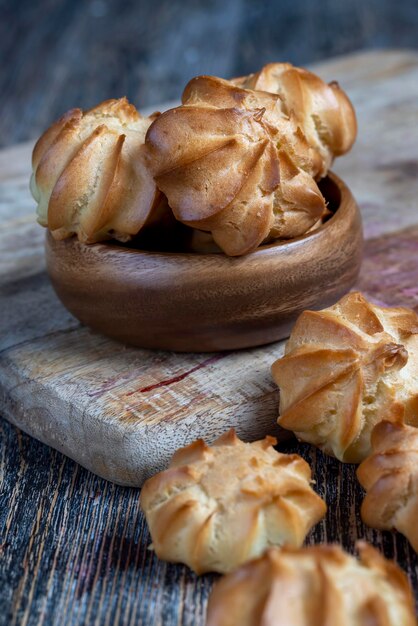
x=345, y=369
x=318, y=585
x=236, y=162
x=390, y=477
x=218, y=506
x=89, y=176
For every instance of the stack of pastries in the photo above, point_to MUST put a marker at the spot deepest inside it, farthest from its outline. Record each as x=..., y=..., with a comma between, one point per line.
x=238, y=165
x=238, y=160
x=241, y=158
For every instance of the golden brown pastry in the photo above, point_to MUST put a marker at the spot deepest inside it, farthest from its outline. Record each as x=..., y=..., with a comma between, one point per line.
x=283, y=129
x=216, y=507
x=314, y=586
x=89, y=174
x=345, y=369
x=322, y=111
x=236, y=162
x=390, y=477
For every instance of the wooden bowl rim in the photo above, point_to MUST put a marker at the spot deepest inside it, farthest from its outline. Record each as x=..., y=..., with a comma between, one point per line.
x=190, y=302
x=266, y=249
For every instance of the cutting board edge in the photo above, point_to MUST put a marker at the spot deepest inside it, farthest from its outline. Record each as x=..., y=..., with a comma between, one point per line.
x=125, y=454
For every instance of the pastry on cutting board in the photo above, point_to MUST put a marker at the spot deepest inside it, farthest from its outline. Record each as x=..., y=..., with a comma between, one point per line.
x=390, y=478
x=321, y=585
x=218, y=506
x=89, y=176
x=345, y=369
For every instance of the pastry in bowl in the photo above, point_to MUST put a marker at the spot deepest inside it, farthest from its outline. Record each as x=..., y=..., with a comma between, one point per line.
x=238, y=171
x=321, y=585
x=89, y=176
x=284, y=129
x=322, y=111
x=345, y=369
x=218, y=506
x=237, y=163
x=228, y=175
x=390, y=478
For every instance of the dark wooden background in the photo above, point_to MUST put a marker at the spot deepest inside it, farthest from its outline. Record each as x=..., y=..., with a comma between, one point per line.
x=74, y=547
x=56, y=54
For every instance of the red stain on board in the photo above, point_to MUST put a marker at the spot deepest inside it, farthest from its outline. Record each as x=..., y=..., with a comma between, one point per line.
x=179, y=377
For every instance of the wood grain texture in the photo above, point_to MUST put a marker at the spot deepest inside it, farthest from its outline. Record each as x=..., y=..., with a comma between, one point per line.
x=73, y=545
x=57, y=54
x=81, y=556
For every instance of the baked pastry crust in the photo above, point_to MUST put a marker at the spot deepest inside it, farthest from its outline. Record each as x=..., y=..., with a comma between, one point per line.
x=323, y=111
x=216, y=507
x=318, y=585
x=283, y=128
x=390, y=477
x=90, y=178
x=236, y=161
x=345, y=369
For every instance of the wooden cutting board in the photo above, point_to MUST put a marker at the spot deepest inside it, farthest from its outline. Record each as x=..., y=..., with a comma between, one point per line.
x=120, y=411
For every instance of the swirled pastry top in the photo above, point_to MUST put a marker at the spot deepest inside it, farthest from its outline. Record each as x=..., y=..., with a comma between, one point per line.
x=232, y=162
x=283, y=128
x=89, y=174
x=390, y=477
x=314, y=586
x=218, y=506
x=322, y=111
x=345, y=369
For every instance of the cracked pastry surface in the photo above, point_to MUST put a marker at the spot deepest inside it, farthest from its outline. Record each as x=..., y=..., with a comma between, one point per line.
x=318, y=585
x=345, y=369
x=390, y=477
x=218, y=506
x=236, y=162
x=89, y=176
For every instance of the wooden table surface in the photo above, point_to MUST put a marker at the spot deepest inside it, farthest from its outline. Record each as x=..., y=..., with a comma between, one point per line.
x=73, y=546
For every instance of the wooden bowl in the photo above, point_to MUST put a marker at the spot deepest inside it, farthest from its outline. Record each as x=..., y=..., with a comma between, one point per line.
x=205, y=302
